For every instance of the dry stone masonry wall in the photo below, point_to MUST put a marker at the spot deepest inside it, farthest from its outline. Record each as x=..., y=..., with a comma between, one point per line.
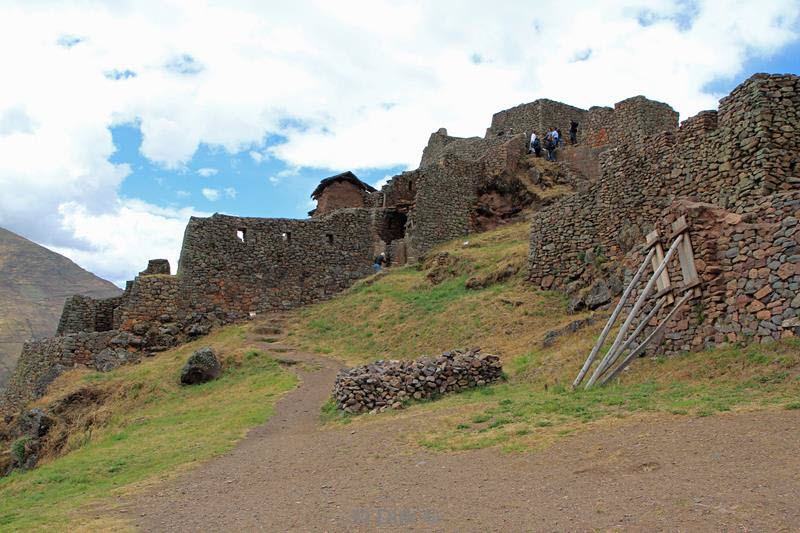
x=742, y=164
x=391, y=384
x=254, y=264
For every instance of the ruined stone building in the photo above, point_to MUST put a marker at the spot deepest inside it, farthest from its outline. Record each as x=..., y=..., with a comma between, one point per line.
x=340, y=191
x=637, y=170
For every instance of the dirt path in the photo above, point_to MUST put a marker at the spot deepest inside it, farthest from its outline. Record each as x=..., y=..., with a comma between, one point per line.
x=737, y=472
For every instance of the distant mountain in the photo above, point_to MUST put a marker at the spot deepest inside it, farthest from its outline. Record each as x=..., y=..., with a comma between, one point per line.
x=34, y=282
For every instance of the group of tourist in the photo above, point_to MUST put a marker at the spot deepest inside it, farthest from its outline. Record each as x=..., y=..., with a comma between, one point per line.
x=551, y=141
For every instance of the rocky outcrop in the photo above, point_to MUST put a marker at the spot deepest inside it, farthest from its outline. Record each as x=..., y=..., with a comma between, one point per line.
x=201, y=367
x=391, y=384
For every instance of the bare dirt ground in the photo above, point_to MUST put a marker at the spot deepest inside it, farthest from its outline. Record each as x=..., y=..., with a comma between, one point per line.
x=734, y=472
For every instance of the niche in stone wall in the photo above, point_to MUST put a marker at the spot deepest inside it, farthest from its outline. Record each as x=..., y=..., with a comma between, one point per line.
x=241, y=234
x=286, y=236
x=329, y=238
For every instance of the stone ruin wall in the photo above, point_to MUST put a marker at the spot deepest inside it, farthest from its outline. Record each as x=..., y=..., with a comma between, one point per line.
x=444, y=205
x=400, y=190
x=468, y=149
x=150, y=298
x=743, y=160
x=539, y=116
x=83, y=313
x=146, y=318
x=281, y=263
x=42, y=361
x=749, y=267
x=631, y=119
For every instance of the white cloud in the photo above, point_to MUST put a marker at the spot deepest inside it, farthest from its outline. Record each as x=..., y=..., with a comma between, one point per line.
x=211, y=194
x=381, y=182
x=206, y=172
x=230, y=192
x=182, y=194
x=124, y=238
x=344, y=85
x=285, y=173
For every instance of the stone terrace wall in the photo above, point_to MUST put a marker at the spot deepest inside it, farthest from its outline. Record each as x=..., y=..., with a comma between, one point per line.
x=44, y=360
x=281, y=263
x=751, y=153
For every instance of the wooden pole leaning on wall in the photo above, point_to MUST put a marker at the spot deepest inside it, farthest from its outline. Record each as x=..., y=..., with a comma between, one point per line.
x=639, y=349
x=613, y=318
x=625, y=345
x=639, y=303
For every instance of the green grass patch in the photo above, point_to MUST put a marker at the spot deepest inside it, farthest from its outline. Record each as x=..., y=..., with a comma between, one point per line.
x=156, y=427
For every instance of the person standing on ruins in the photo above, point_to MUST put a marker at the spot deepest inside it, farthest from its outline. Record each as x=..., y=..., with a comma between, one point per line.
x=533, y=141
x=550, y=145
x=536, y=145
x=573, y=132
x=380, y=260
x=556, y=136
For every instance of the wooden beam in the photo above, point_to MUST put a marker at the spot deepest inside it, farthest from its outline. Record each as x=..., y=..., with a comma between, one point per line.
x=639, y=303
x=612, y=319
x=639, y=349
x=639, y=328
x=686, y=256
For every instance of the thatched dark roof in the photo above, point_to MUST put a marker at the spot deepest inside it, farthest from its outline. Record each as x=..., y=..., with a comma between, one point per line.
x=344, y=176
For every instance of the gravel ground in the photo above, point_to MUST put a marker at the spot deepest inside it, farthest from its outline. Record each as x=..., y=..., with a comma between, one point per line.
x=732, y=472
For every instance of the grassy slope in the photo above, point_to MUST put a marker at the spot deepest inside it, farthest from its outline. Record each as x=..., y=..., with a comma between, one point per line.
x=402, y=315
x=148, y=427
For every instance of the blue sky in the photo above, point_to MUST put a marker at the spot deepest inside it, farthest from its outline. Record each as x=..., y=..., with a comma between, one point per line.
x=246, y=183
x=114, y=140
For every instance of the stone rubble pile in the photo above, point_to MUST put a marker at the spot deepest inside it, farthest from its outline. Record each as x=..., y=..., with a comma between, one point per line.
x=384, y=384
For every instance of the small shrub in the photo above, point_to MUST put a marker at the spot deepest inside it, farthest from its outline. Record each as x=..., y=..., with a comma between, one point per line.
x=18, y=449
x=793, y=405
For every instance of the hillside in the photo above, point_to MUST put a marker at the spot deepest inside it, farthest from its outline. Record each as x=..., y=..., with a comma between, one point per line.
x=134, y=452
x=34, y=283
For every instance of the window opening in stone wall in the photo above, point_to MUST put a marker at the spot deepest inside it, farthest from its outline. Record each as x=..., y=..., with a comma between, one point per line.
x=410, y=185
x=329, y=236
x=240, y=234
x=287, y=237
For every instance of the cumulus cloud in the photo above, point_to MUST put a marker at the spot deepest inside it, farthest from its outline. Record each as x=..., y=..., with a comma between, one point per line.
x=230, y=192
x=355, y=85
x=211, y=195
x=125, y=237
x=206, y=172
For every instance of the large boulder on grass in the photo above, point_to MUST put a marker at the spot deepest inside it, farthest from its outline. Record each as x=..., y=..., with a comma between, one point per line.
x=201, y=367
